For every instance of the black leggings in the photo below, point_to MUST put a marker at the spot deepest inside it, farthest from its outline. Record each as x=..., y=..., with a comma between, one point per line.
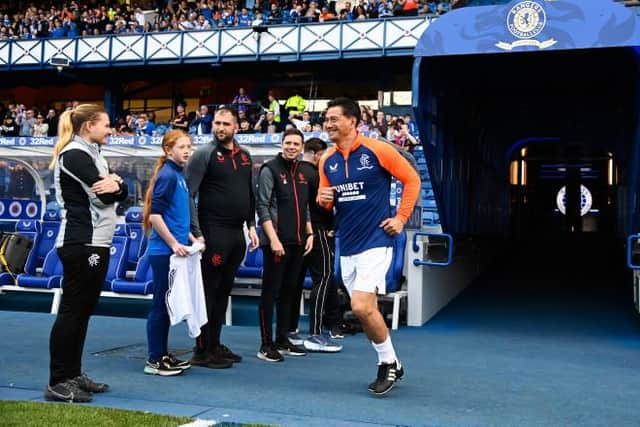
x=85, y=268
x=225, y=248
x=279, y=281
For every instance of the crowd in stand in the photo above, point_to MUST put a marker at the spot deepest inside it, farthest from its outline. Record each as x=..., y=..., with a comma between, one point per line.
x=272, y=116
x=77, y=18
x=18, y=120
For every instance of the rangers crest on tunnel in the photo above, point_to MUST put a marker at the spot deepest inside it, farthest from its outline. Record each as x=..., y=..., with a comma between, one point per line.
x=526, y=20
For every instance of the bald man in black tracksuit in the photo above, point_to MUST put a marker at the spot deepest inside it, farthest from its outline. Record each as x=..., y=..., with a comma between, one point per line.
x=220, y=175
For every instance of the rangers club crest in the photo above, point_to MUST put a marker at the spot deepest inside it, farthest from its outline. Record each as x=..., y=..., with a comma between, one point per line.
x=365, y=162
x=525, y=21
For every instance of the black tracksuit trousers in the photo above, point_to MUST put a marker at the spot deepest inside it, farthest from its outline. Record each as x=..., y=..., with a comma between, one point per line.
x=279, y=282
x=225, y=249
x=323, y=302
x=85, y=268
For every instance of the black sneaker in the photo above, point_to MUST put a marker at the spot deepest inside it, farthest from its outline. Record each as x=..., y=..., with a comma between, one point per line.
x=224, y=352
x=199, y=358
x=335, y=333
x=211, y=361
x=87, y=384
x=295, y=338
x=287, y=348
x=177, y=363
x=67, y=391
x=162, y=367
x=388, y=374
x=268, y=353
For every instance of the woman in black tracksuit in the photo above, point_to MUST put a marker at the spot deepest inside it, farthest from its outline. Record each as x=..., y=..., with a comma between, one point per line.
x=287, y=236
x=86, y=192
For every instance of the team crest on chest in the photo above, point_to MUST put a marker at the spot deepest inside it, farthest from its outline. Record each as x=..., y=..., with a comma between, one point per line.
x=283, y=177
x=244, y=159
x=365, y=162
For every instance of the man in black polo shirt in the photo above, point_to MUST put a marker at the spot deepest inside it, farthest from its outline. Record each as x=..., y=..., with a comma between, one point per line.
x=220, y=175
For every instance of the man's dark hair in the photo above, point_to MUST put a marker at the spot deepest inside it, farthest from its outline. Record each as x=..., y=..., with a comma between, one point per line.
x=292, y=131
x=314, y=145
x=350, y=108
x=226, y=109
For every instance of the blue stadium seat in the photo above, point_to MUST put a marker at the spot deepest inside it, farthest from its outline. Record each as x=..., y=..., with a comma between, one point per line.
x=252, y=265
x=142, y=283
x=52, y=214
x=135, y=230
x=133, y=214
x=430, y=218
x=6, y=279
x=429, y=203
x=47, y=236
x=393, y=278
x=51, y=276
x=120, y=230
x=32, y=259
x=28, y=225
x=117, y=261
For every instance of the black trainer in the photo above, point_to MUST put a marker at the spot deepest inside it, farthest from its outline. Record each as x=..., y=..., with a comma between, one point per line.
x=388, y=374
x=67, y=391
x=336, y=333
x=199, y=358
x=287, y=348
x=268, y=353
x=177, y=363
x=226, y=353
x=212, y=361
x=87, y=384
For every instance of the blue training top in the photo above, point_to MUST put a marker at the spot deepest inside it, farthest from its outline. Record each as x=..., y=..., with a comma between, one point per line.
x=170, y=199
x=361, y=180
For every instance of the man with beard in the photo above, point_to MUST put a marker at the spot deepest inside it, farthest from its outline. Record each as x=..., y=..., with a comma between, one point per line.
x=220, y=175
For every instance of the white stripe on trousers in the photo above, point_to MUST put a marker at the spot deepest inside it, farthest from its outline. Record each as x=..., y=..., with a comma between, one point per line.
x=324, y=282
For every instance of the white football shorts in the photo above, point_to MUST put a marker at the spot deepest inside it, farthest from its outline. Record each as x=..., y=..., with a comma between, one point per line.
x=366, y=271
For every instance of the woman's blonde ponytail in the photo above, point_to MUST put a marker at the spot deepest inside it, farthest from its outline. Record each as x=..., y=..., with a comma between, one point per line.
x=70, y=123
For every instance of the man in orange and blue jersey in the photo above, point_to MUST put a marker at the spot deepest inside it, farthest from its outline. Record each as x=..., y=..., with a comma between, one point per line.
x=355, y=178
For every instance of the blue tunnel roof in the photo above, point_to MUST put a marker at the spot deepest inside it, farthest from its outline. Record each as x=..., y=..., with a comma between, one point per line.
x=532, y=26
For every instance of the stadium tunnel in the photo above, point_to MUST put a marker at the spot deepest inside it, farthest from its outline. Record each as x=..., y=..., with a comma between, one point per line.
x=533, y=149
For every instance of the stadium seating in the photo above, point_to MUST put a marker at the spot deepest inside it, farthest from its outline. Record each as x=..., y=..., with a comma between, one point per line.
x=51, y=276
x=252, y=265
x=29, y=225
x=137, y=243
x=117, y=284
x=120, y=230
x=50, y=280
x=142, y=283
x=117, y=261
x=47, y=237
